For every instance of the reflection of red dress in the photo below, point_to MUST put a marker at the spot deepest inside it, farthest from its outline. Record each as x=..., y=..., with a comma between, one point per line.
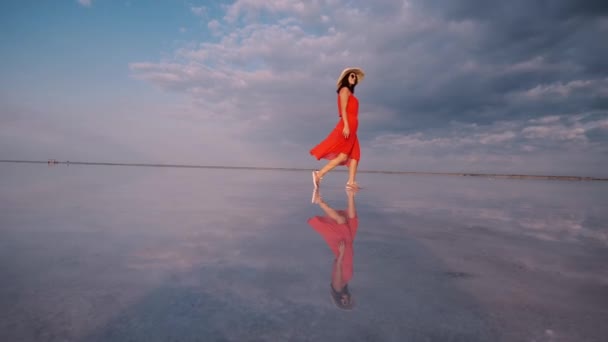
x=335, y=143
x=333, y=233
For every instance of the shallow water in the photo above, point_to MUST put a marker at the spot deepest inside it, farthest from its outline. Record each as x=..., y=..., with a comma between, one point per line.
x=108, y=253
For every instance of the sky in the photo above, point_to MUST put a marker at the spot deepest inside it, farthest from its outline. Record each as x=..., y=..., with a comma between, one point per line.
x=451, y=85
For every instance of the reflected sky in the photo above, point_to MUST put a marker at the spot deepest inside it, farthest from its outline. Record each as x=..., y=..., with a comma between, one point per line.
x=93, y=253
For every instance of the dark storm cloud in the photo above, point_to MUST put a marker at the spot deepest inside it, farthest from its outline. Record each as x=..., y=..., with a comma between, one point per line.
x=507, y=49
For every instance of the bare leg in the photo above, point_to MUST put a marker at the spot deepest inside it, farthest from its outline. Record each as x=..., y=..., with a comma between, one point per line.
x=331, y=164
x=352, y=208
x=352, y=173
x=331, y=212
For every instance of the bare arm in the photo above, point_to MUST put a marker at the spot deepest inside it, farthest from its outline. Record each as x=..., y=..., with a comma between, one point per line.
x=344, y=94
x=337, y=281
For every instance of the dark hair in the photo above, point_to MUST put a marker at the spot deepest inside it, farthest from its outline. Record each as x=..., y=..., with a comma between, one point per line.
x=337, y=297
x=344, y=83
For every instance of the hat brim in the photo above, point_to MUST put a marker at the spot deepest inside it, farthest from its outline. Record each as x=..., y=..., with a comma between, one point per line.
x=358, y=71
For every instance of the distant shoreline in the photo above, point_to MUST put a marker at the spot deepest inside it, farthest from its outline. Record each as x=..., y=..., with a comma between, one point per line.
x=461, y=174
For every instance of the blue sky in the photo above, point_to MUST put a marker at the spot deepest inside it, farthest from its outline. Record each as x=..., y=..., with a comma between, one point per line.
x=450, y=85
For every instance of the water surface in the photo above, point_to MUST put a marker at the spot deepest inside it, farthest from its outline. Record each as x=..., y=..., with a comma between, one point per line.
x=108, y=253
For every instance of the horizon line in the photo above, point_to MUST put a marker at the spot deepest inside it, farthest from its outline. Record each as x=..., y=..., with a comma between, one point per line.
x=462, y=174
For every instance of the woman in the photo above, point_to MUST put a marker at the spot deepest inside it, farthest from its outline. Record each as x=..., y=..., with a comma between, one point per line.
x=341, y=146
x=338, y=228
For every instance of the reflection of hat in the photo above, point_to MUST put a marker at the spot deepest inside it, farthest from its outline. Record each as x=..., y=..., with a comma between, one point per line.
x=358, y=71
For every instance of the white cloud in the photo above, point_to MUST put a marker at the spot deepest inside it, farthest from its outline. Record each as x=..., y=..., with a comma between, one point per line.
x=528, y=148
x=199, y=11
x=546, y=119
x=555, y=132
x=251, y=9
x=86, y=3
x=599, y=86
x=214, y=25
x=277, y=76
x=283, y=65
x=545, y=130
x=496, y=138
x=537, y=63
x=543, y=147
x=457, y=136
x=415, y=141
x=603, y=124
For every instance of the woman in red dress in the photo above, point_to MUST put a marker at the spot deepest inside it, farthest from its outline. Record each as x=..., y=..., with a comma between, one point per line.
x=341, y=146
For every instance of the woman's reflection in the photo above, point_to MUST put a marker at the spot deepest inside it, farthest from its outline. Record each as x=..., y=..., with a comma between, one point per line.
x=338, y=228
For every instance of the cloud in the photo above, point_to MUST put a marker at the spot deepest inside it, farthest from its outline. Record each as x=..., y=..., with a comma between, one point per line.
x=554, y=132
x=86, y=3
x=450, y=76
x=29, y=133
x=214, y=25
x=252, y=9
x=560, y=89
x=437, y=73
x=199, y=11
x=549, y=129
x=541, y=145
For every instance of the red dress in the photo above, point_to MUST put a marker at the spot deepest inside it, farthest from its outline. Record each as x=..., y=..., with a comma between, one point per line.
x=335, y=143
x=333, y=232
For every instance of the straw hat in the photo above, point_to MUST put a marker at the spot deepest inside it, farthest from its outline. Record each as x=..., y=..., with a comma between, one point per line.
x=358, y=71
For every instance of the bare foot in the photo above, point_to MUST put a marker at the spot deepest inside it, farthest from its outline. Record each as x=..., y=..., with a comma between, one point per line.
x=316, y=179
x=352, y=186
x=316, y=196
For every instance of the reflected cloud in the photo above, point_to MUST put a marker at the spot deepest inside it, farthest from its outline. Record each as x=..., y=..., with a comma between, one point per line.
x=127, y=253
x=338, y=228
x=510, y=208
